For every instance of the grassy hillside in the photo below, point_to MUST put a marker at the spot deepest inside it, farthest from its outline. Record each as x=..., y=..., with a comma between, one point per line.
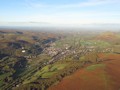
x=94, y=77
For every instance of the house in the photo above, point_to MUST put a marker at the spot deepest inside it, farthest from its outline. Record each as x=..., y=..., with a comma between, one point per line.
x=23, y=51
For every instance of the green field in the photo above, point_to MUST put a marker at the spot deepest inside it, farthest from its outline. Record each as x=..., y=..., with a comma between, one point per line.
x=93, y=67
x=46, y=72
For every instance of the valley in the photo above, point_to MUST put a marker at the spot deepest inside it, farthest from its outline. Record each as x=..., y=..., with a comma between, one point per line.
x=49, y=60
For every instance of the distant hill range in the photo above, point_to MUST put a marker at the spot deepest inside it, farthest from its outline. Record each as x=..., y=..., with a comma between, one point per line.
x=105, y=26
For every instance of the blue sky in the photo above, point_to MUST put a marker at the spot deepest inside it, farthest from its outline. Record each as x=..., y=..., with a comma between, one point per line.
x=71, y=12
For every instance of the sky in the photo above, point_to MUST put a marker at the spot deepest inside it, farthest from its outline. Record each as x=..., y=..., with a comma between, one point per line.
x=60, y=12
